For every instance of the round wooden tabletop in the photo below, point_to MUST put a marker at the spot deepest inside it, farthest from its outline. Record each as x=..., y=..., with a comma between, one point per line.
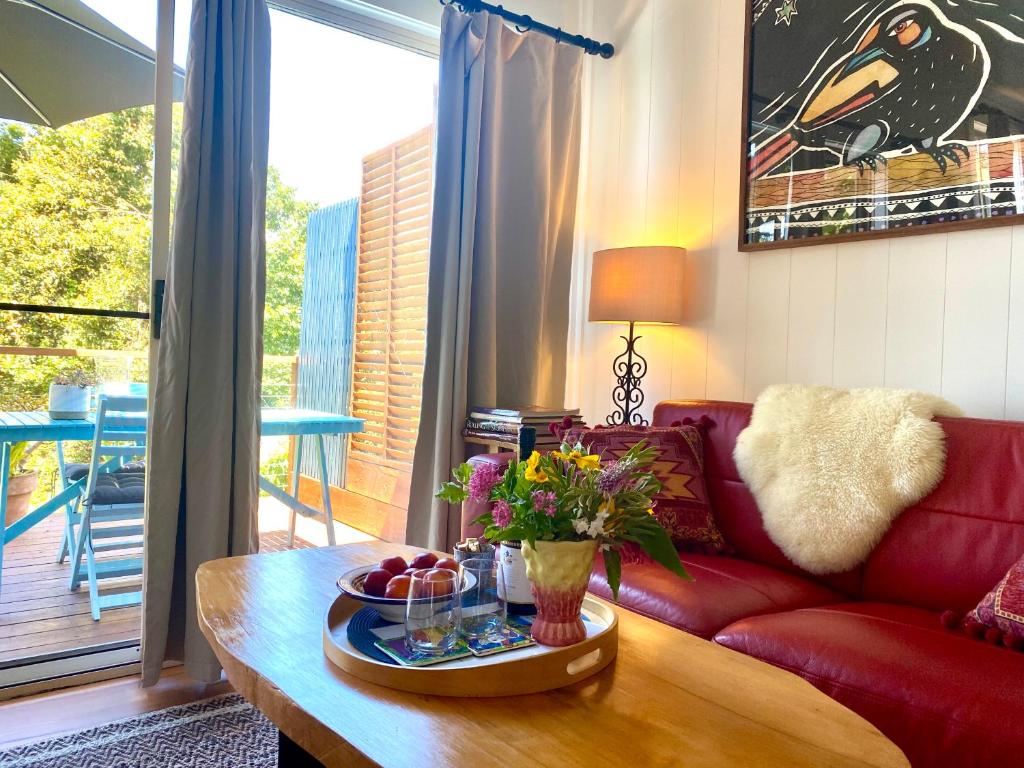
x=669, y=698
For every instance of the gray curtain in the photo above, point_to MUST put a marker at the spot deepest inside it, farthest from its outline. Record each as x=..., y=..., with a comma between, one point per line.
x=204, y=437
x=501, y=242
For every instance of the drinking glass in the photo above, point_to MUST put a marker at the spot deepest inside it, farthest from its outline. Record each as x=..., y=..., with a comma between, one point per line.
x=432, y=612
x=483, y=601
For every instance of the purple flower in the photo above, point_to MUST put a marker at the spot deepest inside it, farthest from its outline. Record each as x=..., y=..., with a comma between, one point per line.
x=545, y=501
x=502, y=513
x=615, y=477
x=482, y=481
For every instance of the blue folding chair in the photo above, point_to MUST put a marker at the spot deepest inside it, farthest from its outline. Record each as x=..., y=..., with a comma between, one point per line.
x=110, y=513
x=72, y=472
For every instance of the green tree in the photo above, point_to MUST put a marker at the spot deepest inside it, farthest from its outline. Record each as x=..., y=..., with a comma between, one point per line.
x=74, y=227
x=286, y=258
x=75, y=218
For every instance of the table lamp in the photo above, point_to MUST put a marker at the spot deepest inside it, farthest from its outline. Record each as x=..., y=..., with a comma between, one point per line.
x=635, y=285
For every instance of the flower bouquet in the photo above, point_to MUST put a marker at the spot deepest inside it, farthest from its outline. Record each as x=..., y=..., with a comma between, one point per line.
x=565, y=506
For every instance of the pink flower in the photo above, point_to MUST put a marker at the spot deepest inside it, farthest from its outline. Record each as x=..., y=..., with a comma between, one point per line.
x=545, y=501
x=482, y=482
x=502, y=513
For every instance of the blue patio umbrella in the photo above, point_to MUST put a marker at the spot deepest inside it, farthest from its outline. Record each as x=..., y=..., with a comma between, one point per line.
x=60, y=61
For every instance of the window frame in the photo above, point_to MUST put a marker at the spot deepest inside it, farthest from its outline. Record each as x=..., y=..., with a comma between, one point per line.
x=373, y=20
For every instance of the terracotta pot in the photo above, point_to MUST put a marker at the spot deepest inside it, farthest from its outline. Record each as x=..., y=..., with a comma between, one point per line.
x=559, y=572
x=19, y=492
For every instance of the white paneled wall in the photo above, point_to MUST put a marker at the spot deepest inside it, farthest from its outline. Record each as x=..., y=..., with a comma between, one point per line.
x=940, y=313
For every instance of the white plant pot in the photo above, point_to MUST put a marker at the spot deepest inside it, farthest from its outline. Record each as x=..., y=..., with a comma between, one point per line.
x=69, y=402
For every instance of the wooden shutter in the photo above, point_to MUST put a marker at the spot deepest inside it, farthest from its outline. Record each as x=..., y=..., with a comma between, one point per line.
x=390, y=316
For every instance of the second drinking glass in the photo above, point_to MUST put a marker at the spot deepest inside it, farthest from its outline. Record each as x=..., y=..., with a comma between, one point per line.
x=483, y=601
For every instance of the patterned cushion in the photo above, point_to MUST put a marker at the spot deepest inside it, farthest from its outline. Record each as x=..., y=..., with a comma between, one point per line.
x=1003, y=607
x=682, y=507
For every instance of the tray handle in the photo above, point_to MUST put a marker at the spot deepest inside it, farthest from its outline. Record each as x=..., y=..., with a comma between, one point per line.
x=580, y=665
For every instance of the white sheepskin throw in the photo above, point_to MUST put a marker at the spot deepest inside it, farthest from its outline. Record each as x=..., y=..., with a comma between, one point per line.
x=832, y=468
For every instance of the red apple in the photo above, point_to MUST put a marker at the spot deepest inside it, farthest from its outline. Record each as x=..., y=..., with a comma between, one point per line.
x=398, y=587
x=376, y=582
x=448, y=564
x=410, y=571
x=396, y=565
x=424, y=560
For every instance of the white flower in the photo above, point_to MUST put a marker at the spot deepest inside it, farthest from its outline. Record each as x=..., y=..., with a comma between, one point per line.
x=596, y=528
x=581, y=525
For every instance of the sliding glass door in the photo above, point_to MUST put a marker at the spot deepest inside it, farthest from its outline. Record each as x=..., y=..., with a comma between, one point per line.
x=85, y=218
x=85, y=185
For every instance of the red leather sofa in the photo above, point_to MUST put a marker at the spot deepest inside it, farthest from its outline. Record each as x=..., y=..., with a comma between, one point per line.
x=871, y=638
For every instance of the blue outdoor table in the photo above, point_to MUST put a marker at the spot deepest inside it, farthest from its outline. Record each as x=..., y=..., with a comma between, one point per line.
x=276, y=422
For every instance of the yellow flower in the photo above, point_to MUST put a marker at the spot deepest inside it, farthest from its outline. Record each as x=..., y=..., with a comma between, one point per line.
x=579, y=459
x=533, y=472
x=608, y=508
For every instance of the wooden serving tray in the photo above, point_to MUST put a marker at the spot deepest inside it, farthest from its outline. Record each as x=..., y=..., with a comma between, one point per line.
x=526, y=670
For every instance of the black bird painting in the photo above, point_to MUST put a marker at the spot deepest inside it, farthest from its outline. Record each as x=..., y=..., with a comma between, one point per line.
x=868, y=116
x=902, y=86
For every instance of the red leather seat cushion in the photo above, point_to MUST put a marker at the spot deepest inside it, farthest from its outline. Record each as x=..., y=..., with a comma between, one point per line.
x=944, y=699
x=724, y=590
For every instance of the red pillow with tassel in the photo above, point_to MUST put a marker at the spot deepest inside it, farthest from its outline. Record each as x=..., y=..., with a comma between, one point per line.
x=1002, y=609
x=682, y=506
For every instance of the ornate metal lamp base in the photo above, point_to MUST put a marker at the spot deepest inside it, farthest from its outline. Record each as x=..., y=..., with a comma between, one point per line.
x=629, y=368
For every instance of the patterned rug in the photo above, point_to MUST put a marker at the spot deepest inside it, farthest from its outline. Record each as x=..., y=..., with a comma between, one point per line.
x=216, y=733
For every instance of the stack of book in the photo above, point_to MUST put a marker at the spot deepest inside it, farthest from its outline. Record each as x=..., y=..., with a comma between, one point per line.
x=503, y=425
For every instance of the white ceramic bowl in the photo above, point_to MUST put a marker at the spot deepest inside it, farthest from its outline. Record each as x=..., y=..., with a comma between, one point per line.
x=390, y=608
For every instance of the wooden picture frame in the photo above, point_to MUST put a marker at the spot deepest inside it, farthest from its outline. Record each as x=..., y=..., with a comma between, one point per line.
x=832, y=149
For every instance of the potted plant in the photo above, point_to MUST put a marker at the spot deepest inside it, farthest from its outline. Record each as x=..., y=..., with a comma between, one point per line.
x=565, y=507
x=20, y=484
x=69, y=395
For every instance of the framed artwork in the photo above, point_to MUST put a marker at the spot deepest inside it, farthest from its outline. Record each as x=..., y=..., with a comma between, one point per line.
x=866, y=118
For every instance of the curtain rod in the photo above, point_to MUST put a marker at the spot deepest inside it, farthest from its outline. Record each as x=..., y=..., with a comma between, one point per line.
x=524, y=23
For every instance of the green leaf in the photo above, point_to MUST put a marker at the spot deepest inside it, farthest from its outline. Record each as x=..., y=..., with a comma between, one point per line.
x=613, y=569
x=462, y=473
x=655, y=542
x=453, y=493
x=513, y=533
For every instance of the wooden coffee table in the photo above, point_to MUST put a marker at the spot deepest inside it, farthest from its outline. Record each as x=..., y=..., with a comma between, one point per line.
x=668, y=699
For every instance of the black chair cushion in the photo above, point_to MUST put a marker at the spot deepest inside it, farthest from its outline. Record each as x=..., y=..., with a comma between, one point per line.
x=119, y=488
x=74, y=472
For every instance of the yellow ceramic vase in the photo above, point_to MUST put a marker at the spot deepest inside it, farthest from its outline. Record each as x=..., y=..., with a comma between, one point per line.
x=559, y=573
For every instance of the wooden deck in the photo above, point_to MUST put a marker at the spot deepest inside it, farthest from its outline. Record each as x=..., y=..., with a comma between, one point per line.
x=40, y=616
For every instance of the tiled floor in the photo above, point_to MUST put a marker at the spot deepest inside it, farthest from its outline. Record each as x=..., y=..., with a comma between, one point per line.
x=39, y=615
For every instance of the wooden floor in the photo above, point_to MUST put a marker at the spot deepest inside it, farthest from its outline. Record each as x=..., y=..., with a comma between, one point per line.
x=40, y=616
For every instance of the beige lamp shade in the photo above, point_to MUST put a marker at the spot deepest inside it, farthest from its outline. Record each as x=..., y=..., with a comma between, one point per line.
x=642, y=285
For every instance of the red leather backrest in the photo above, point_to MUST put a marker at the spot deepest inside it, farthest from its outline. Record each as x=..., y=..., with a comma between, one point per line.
x=953, y=547
x=947, y=551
